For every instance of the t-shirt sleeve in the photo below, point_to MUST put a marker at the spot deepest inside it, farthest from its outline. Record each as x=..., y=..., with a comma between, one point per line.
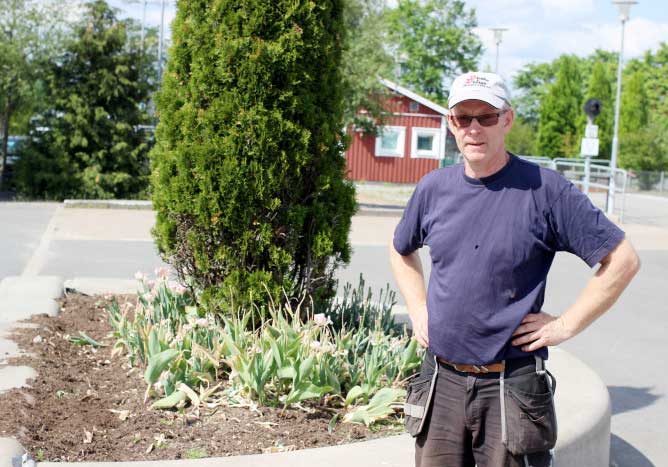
x=581, y=228
x=409, y=234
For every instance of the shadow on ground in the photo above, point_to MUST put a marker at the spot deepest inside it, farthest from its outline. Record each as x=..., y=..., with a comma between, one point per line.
x=622, y=454
x=627, y=398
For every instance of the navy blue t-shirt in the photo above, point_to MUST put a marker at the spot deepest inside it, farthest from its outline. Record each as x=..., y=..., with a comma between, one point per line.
x=492, y=241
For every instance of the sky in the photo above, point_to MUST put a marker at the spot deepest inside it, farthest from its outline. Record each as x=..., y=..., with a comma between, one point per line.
x=538, y=30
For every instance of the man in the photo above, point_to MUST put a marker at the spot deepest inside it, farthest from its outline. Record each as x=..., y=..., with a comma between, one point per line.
x=493, y=225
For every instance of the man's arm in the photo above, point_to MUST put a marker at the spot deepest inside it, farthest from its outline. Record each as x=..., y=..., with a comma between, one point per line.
x=602, y=291
x=410, y=278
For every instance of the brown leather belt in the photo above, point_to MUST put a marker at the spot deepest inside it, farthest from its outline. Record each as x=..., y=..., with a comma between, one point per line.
x=497, y=367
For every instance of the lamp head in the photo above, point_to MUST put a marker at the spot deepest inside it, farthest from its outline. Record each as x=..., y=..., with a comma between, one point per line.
x=624, y=7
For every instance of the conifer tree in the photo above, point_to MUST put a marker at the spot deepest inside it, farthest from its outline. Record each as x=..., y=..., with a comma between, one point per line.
x=559, y=112
x=248, y=169
x=88, y=144
x=634, y=110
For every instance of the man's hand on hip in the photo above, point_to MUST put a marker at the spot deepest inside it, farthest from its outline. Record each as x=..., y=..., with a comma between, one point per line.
x=419, y=319
x=540, y=330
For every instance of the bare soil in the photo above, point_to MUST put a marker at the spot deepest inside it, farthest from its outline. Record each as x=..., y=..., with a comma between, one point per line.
x=86, y=405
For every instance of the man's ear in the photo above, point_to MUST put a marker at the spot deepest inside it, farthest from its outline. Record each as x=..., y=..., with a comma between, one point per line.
x=451, y=126
x=508, y=121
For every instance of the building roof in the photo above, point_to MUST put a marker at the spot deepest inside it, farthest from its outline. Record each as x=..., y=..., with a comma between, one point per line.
x=416, y=97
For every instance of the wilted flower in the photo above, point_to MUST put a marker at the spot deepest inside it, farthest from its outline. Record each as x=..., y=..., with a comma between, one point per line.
x=202, y=322
x=149, y=296
x=177, y=288
x=321, y=320
x=162, y=272
x=322, y=347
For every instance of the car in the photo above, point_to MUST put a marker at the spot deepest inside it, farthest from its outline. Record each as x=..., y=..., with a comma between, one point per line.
x=14, y=144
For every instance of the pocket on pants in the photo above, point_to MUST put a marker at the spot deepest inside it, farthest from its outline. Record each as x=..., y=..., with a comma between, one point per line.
x=530, y=418
x=418, y=398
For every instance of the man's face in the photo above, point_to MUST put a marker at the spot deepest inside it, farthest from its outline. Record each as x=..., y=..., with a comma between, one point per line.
x=480, y=144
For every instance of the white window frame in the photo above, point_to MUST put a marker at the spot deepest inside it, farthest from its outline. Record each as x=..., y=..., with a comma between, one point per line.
x=401, y=142
x=435, y=153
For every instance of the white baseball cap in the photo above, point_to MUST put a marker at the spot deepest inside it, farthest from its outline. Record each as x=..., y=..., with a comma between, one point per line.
x=487, y=87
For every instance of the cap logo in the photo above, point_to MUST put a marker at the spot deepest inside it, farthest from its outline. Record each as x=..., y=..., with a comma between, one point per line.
x=478, y=81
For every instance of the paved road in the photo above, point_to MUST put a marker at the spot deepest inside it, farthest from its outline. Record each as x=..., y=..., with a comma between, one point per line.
x=21, y=228
x=627, y=347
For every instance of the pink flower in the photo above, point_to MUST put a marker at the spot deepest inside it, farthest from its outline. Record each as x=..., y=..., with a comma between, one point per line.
x=162, y=272
x=321, y=320
x=150, y=283
x=202, y=322
x=140, y=276
x=177, y=288
x=149, y=297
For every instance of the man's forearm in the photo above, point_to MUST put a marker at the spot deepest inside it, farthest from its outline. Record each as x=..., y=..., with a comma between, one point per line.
x=602, y=290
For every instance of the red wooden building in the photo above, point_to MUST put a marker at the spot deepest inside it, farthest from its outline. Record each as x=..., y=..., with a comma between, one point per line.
x=411, y=143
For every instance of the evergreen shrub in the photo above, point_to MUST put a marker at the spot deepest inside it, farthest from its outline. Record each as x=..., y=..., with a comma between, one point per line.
x=88, y=143
x=248, y=168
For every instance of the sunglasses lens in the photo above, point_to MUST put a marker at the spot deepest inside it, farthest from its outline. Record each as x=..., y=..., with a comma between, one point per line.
x=488, y=120
x=464, y=121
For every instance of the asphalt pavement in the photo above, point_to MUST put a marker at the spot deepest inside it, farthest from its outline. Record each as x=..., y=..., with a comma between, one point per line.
x=627, y=346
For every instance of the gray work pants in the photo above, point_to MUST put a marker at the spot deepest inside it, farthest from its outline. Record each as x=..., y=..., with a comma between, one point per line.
x=464, y=424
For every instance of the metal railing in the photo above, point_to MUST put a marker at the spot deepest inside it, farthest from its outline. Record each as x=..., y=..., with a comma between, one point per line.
x=589, y=176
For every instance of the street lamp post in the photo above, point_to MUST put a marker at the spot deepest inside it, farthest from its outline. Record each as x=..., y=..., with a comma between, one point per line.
x=624, y=6
x=162, y=31
x=498, y=33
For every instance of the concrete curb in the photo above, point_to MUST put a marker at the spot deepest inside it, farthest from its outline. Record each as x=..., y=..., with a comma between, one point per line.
x=108, y=204
x=365, y=209
x=20, y=298
x=98, y=286
x=582, y=400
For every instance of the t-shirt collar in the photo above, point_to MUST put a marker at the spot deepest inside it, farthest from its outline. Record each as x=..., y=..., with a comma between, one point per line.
x=490, y=178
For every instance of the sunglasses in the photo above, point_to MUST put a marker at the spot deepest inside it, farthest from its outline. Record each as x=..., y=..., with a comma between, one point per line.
x=464, y=121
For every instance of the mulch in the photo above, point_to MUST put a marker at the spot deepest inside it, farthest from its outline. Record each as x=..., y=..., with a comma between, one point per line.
x=86, y=405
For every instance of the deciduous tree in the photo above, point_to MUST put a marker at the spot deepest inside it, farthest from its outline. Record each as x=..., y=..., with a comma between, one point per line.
x=433, y=41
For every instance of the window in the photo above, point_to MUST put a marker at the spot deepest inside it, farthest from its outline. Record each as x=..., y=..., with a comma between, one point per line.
x=413, y=106
x=390, y=141
x=426, y=142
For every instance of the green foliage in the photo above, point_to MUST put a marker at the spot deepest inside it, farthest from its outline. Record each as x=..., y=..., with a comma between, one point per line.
x=248, y=179
x=192, y=356
x=91, y=147
x=30, y=31
x=433, y=41
x=522, y=138
x=644, y=150
x=634, y=109
x=364, y=60
x=357, y=309
x=559, y=112
x=533, y=82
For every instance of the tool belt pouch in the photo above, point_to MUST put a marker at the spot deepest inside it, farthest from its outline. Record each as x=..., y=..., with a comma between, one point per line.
x=419, y=394
x=530, y=418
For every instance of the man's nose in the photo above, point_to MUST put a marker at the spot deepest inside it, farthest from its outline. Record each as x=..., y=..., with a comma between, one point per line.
x=475, y=125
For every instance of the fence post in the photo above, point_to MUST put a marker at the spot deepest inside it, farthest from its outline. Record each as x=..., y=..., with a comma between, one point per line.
x=661, y=180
